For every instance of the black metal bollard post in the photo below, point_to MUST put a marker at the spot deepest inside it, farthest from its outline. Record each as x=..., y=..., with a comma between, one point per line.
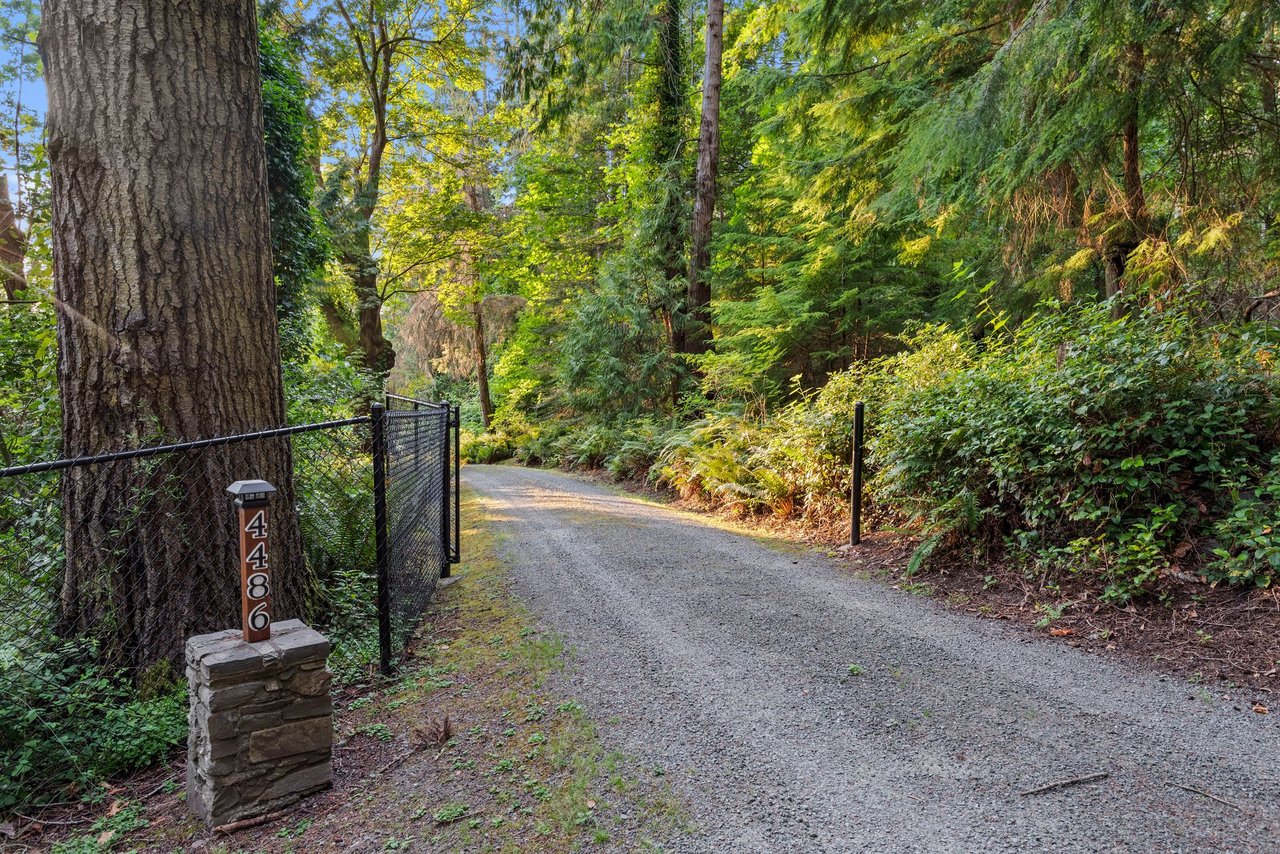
x=855, y=490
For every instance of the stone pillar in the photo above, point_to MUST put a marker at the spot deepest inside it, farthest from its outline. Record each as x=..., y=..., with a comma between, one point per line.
x=261, y=721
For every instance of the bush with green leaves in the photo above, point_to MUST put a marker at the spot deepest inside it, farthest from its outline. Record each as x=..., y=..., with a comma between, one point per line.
x=1090, y=443
x=486, y=447
x=1248, y=536
x=1118, y=449
x=66, y=724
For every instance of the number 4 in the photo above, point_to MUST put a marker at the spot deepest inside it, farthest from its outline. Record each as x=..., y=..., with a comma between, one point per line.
x=257, y=526
x=258, y=557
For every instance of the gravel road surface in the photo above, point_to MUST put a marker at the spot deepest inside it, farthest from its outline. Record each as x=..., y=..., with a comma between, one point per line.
x=725, y=662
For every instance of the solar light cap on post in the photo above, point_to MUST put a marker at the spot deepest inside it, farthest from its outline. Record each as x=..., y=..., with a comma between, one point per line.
x=251, y=493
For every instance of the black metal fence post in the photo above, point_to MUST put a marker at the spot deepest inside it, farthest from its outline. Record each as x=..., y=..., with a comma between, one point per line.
x=855, y=490
x=417, y=441
x=445, y=537
x=382, y=540
x=456, y=557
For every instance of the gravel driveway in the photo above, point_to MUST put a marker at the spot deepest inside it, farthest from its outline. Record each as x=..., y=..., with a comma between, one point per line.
x=725, y=663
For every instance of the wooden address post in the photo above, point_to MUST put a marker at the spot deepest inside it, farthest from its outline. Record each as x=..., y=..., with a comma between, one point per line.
x=252, y=500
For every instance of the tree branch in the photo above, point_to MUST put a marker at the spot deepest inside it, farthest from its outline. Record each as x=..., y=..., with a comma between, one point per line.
x=902, y=54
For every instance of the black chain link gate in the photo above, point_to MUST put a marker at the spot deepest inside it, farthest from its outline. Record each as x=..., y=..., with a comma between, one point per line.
x=376, y=504
x=416, y=507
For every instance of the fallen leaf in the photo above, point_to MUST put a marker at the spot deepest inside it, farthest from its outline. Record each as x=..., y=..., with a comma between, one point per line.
x=1061, y=633
x=1260, y=709
x=105, y=836
x=591, y=805
x=115, y=808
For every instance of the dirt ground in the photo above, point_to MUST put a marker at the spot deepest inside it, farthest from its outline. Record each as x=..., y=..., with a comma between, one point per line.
x=1211, y=636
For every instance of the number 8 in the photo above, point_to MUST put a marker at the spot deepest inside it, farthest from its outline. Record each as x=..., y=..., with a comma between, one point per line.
x=259, y=585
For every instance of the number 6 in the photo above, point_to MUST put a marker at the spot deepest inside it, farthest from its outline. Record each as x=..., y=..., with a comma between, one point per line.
x=260, y=616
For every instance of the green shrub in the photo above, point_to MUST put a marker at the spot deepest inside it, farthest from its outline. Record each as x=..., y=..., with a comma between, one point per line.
x=1248, y=549
x=65, y=724
x=634, y=455
x=1081, y=443
x=486, y=447
x=1087, y=442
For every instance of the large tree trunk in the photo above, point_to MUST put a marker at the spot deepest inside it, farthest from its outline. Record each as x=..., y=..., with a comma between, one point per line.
x=482, y=366
x=1136, y=225
x=478, y=200
x=379, y=356
x=375, y=49
x=12, y=245
x=668, y=231
x=166, y=321
x=698, y=332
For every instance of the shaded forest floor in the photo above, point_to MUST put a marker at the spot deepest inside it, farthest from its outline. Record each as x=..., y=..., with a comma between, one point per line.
x=517, y=767
x=1221, y=639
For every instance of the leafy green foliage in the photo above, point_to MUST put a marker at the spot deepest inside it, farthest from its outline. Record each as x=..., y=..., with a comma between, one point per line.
x=450, y=813
x=298, y=242
x=1093, y=444
x=65, y=724
x=1117, y=449
x=1248, y=536
x=486, y=447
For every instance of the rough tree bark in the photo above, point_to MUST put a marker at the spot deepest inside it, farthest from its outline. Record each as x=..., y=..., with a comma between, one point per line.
x=668, y=232
x=1136, y=225
x=166, y=320
x=12, y=245
x=482, y=366
x=477, y=199
x=698, y=327
x=376, y=52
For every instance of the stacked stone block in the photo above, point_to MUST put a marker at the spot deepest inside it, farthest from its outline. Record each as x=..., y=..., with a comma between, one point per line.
x=261, y=722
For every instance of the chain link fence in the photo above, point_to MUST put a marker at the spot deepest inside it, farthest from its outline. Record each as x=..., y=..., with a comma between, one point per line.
x=108, y=564
x=419, y=488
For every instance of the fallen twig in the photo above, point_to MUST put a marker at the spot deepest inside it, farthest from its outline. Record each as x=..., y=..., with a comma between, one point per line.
x=1071, y=782
x=245, y=823
x=157, y=790
x=1210, y=796
x=52, y=823
x=394, y=762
